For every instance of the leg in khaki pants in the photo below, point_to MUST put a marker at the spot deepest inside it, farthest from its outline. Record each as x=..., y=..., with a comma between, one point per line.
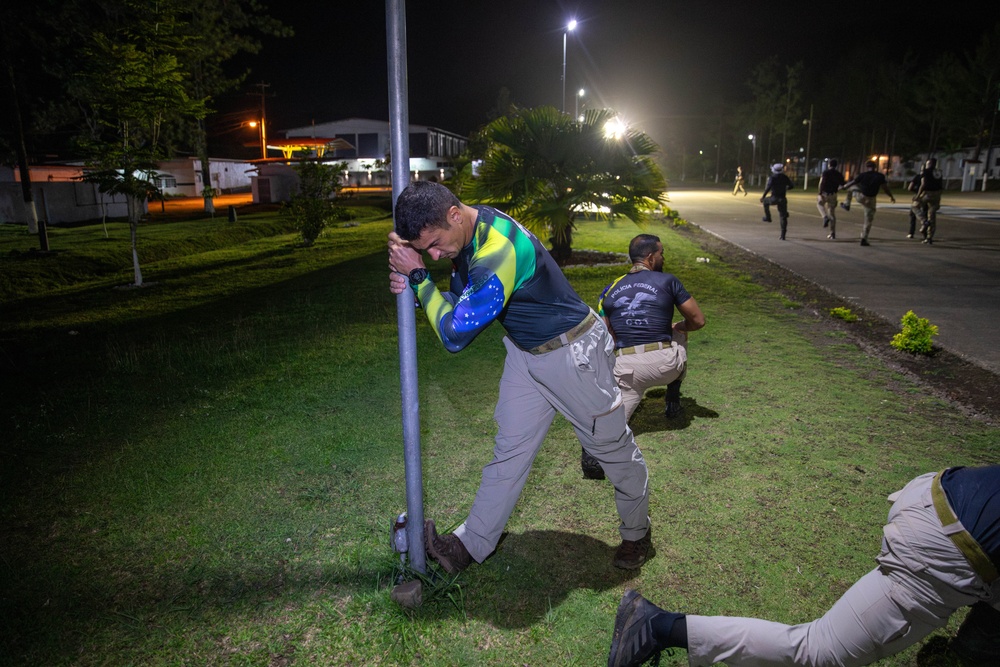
x=636, y=373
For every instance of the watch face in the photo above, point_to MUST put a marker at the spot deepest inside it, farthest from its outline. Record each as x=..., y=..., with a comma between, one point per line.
x=417, y=276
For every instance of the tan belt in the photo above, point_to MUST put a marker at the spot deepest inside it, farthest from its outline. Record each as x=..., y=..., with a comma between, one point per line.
x=568, y=337
x=953, y=528
x=639, y=349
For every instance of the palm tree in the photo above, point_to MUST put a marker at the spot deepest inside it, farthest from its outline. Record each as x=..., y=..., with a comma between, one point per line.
x=546, y=168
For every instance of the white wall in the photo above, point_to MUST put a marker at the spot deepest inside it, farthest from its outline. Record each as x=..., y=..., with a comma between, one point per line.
x=58, y=203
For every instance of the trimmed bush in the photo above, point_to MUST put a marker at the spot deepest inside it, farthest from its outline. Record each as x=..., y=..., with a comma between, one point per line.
x=916, y=335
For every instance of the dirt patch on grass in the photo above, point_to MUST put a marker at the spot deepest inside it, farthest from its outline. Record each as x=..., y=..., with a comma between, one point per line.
x=971, y=388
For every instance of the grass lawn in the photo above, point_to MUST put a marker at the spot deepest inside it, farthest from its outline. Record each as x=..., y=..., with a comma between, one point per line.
x=204, y=471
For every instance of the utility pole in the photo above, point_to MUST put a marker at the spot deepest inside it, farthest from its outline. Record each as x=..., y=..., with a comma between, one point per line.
x=809, y=136
x=263, y=117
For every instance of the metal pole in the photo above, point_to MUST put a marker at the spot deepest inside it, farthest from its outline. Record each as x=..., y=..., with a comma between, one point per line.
x=565, y=32
x=989, y=148
x=809, y=136
x=399, y=141
x=718, y=151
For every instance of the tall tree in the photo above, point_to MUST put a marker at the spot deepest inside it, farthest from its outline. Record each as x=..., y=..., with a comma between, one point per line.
x=216, y=31
x=131, y=85
x=546, y=167
x=766, y=110
x=984, y=83
x=20, y=59
x=790, y=104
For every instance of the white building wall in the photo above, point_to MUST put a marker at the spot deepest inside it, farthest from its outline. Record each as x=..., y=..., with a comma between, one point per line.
x=60, y=202
x=182, y=177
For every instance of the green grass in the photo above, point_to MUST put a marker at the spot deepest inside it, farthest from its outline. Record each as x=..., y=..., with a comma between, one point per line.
x=204, y=471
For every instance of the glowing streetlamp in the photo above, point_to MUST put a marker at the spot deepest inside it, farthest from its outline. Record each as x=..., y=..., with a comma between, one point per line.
x=615, y=128
x=753, y=162
x=570, y=27
x=576, y=113
x=263, y=137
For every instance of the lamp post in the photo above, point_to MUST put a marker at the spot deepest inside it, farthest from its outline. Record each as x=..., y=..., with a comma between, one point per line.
x=809, y=136
x=569, y=28
x=262, y=133
x=576, y=112
x=753, y=161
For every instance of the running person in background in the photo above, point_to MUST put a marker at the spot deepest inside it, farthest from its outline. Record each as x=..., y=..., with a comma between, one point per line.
x=829, y=183
x=928, y=199
x=777, y=185
x=867, y=185
x=739, y=185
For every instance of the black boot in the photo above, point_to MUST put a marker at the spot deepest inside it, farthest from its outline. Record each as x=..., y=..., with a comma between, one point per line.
x=591, y=467
x=673, y=408
x=978, y=638
x=784, y=227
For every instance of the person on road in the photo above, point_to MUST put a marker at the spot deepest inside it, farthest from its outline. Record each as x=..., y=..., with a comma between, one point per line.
x=866, y=186
x=830, y=183
x=914, y=187
x=940, y=552
x=739, y=186
x=559, y=358
x=777, y=185
x=927, y=201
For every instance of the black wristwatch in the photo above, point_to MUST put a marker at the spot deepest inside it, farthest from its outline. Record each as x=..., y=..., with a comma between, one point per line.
x=417, y=276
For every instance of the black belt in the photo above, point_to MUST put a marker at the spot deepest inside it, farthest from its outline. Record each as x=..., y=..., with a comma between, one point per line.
x=568, y=337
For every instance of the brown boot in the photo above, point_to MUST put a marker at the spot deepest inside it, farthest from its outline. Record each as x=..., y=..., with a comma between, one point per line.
x=631, y=554
x=447, y=550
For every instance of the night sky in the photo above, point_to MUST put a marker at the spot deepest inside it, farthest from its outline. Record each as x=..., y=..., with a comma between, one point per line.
x=649, y=60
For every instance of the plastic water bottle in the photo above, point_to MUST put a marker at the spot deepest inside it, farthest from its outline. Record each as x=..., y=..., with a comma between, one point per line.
x=399, y=541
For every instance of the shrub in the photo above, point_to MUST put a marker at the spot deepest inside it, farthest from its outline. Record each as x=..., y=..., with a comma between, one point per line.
x=916, y=335
x=311, y=208
x=844, y=314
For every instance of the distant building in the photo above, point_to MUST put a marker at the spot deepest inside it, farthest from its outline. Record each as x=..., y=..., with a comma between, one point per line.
x=60, y=196
x=432, y=150
x=182, y=176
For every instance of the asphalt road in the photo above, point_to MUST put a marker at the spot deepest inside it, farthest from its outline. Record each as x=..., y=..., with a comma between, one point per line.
x=954, y=283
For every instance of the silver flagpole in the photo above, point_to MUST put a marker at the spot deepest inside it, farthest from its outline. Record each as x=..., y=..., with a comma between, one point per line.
x=399, y=141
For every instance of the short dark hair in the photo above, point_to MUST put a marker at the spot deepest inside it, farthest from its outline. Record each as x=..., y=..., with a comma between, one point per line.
x=642, y=246
x=870, y=164
x=833, y=163
x=932, y=162
x=420, y=205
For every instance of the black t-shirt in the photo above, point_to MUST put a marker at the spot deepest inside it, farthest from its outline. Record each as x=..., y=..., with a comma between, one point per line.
x=640, y=307
x=830, y=181
x=778, y=185
x=933, y=181
x=869, y=182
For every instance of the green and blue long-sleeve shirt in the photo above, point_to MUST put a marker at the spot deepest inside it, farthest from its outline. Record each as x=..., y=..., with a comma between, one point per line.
x=504, y=274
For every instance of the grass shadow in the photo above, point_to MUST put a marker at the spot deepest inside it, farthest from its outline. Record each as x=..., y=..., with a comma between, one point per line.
x=536, y=571
x=648, y=418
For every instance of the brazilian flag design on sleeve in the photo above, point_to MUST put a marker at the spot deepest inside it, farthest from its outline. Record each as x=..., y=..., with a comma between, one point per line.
x=498, y=262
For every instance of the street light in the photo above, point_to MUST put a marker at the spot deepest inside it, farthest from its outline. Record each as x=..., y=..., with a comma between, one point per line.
x=263, y=137
x=569, y=28
x=615, y=128
x=809, y=136
x=753, y=162
x=576, y=113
